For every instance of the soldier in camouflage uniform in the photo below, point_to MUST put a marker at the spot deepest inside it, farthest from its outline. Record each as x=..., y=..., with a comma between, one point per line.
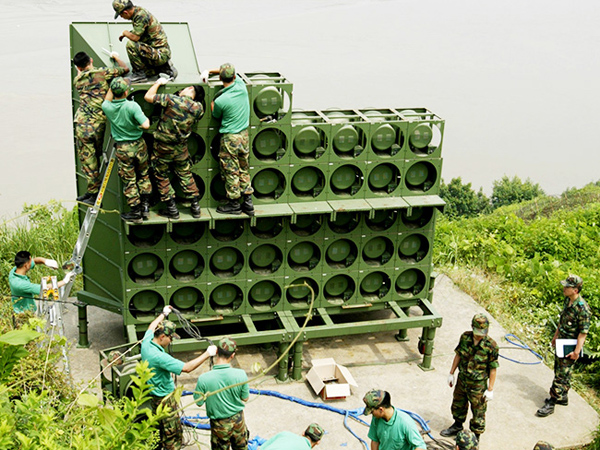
x=91, y=84
x=574, y=323
x=231, y=105
x=126, y=124
x=477, y=360
x=466, y=440
x=226, y=408
x=147, y=47
x=542, y=445
x=157, y=339
x=170, y=144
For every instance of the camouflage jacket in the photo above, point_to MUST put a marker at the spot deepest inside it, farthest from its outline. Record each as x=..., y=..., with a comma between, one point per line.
x=177, y=119
x=148, y=28
x=574, y=319
x=92, y=86
x=476, y=361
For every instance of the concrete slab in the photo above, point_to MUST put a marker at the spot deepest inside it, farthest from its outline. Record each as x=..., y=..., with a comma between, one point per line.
x=379, y=361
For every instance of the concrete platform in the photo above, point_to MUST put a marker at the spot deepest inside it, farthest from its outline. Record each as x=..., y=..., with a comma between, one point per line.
x=379, y=361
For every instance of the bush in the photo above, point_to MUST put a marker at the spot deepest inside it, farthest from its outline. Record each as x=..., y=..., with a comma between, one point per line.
x=507, y=191
x=462, y=201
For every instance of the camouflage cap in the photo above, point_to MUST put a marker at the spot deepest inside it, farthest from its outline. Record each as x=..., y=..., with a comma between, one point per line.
x=120, y=5
x=119, y=86
x=226, y=70
x=315, y=432
x=228, y=345
x=466, y=440
x=480, y=324
x=572, y=281
x=373, y=399
x=169, y=329
x=542, y=445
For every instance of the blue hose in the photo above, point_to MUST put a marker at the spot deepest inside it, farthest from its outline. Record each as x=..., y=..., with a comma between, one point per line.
x=354, y=413
x=524, y=346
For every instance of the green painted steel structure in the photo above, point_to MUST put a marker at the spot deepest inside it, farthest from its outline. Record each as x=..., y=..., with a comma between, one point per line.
x=345, y=200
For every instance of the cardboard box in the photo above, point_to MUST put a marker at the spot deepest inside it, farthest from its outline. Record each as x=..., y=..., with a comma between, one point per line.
x=329, y=379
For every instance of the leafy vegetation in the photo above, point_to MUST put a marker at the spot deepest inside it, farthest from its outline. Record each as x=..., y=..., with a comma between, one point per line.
x=508, y=191
x=462, y=200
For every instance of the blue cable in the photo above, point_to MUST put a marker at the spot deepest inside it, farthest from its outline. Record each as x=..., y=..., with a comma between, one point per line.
x=354, y=413
x=524, y=346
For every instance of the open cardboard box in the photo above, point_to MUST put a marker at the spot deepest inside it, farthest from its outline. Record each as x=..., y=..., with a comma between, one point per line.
x=329, y=379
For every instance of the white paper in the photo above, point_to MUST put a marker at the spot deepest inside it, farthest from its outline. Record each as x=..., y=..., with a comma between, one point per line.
x=562, y=343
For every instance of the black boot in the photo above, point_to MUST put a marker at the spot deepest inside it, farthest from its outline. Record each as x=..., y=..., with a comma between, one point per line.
x=563, y=402
x=145, y=206
x=170, y=211
x=91, y=200
x=195, y=208
x=247, y=206
x=231, y=207
x=138, y=77
x=547, y=409
x=84, y=197
x=452, y=430
x=135, y=215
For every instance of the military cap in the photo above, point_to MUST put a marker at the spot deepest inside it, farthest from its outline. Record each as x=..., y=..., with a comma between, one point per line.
x=541, y=445
x=373, y=399
x=227, y=344
x=119, y=85
x=466, y=440
x=572, y=281
x=168, y=329
x=315, y=432
x=227, y=71
x=480, y=324
x=121, y=5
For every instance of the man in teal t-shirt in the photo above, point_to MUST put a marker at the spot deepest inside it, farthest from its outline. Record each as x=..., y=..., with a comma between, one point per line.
x=232, y=106
x=126, y=124
x=226, y=408
x=158, y=337
x=291, y=441
x=22, y=289
x=390, y=429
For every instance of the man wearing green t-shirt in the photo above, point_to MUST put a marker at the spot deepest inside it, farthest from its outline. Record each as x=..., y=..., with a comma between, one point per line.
x=126, y=124
x=291, y=441
x=232, y=107
x=226, y=408
x=390, y=429
x=158, y=337
x=22, y=289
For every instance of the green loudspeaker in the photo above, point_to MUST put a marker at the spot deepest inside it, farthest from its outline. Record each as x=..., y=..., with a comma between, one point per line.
x=420, y=218
x=226, y=298
x=145, y=237
x=422, y=177
x=270, y=183
x=383, y=179
x=298, y=295
x=340, y=254
x=415, y=247
x=349, y=135
x=270, y=97
x=188, y=300
x=382, y=220
x=308, y=182
x=412, y=282
x=266, y=259
x=270, y=144
x=225, y=262
x=425, y=133
x=311, y=134
x=387, y=134
x=267, y=228
x=145, y=268
x=338, y=290
x=306, y=226
x=304, y=257
x=377, y=251
x=144, y=304
x=188, y=233
x=266, y=295
x=345, y=223
x=186, y=266
x=375, y=285
x=346, y=181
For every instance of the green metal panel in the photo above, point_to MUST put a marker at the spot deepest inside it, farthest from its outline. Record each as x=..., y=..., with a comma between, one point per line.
x=270, y=143
x=349, y=135
x=308, y=182
x=346, y=181
x=422, y=177
x=270, y=97
x=424, y=135
x=387, y=134
x=383, y=179
x=270, y=183
x=311, y=134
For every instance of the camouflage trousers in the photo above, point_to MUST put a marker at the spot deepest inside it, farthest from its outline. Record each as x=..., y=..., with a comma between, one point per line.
x=144, y=58
x=175, y=156
x=88, y=142
x=170, y=429
x=465, y=392
x=133, y=170
x=233, y=157
x=562, y=378
x=230, y=431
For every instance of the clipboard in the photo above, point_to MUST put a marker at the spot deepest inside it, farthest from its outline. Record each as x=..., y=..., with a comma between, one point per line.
x=566, y=346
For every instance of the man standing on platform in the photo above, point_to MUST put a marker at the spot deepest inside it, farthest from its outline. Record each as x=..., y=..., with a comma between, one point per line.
x=180, y=112
x=225, y=408
x=126, y=124
x=91, y=84
x=147, y=47
x=232, y=106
